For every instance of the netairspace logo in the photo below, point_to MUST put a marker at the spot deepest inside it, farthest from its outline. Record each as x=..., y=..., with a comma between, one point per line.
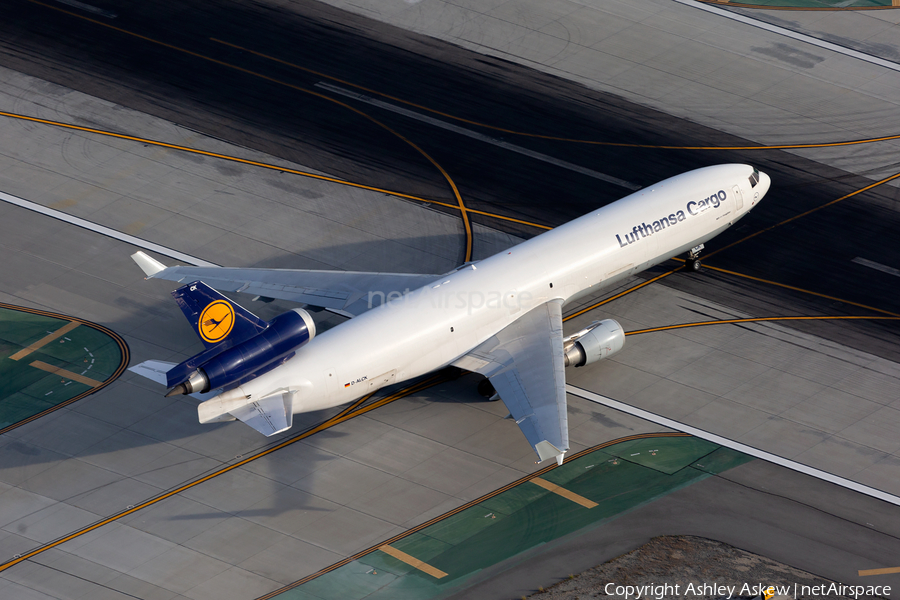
x=443, y=296
x=658, y=591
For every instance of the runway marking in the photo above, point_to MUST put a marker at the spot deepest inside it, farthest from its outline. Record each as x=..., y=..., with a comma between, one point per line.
x=552, y=137
x=728, y=443
x=763, y=319
x=89, y=8
x=877, y=266
x=889, y=571
x=123, y=364
x=467, y=505
x=481, y=137
x=350, y=412
x=800, y=37
x=113, y=233
x=412, y=561
x=39, y=364
x=45, y=340
x=462, y=208
x=561, y=491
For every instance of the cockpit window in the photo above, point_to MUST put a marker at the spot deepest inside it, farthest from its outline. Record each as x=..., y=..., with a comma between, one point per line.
x=754, y=177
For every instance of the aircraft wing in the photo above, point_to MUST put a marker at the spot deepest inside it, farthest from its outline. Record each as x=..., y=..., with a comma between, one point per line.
x=525, y=364
x=345, y=292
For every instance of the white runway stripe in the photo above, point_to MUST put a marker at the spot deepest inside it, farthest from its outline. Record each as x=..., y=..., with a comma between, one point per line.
x=802, y=37
x=123, y=237
x=723, y=441
x=478, y=136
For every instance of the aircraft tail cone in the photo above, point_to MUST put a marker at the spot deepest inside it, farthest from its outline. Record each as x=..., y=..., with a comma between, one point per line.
x=179, y=389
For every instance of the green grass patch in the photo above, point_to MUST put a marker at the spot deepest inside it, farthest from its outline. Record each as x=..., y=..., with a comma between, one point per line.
x=618, y=478
x=25, y=390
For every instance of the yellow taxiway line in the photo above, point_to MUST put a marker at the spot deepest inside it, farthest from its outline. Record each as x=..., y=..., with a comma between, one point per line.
x=889, y=571
x=352, y=411
x=460, y=205
x=761, y=320
x=548, y=137
x=798, y=289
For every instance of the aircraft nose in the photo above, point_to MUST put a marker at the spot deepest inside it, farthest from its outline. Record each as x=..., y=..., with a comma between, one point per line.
x=764, y=182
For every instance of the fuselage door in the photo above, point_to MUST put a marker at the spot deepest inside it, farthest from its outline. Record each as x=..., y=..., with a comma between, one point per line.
x=738, y=198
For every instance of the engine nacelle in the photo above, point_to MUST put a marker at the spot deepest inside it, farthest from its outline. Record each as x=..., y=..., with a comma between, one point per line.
x=600, y=340
x=277, y=342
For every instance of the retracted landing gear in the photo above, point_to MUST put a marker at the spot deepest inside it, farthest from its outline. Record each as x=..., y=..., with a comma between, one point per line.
x=693, y=261
x=486, y=389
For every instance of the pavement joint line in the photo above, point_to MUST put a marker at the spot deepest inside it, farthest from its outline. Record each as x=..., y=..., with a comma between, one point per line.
x=352, y=411
x=268, y=166
x=620, y=294
x=808, y=212
x=461, y=205
x=479, y=136
x=732, y=444
x=800, y=37
x=45, y=340
x=115, y=234
x=551, y=137
x=895, y=4
x=39, y=364
x=797, y=289
x=764, y=319
x=877, y=266
x=123, y=364
x=561, y=491
x=889, y=571
x=412, y=561
x=467, y=505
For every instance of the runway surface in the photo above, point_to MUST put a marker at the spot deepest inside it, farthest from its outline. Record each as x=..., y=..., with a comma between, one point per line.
x=425, y=133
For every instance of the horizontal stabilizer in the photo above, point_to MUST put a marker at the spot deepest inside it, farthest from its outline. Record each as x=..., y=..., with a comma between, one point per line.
x=156, y=370
x=268, y=416
x=149, y=265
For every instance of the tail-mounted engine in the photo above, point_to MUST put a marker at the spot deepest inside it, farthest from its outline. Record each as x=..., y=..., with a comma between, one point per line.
x=599, y=340
x=239, y=345
x=259, y=354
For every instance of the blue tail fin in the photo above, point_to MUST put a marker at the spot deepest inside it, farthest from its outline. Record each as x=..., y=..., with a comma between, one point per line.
x=219, y=322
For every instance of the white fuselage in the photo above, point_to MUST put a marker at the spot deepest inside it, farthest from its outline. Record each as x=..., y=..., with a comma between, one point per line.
x=431, y=327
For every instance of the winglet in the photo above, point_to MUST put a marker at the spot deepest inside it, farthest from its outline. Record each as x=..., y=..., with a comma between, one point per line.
x=149, y=265
x=547, y=450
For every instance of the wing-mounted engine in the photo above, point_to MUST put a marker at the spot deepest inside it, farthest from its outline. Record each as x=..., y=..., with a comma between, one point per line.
x=599, y=340
x=240, y=345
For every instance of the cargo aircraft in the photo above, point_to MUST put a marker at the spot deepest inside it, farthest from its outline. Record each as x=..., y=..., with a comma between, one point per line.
x=500, y=317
